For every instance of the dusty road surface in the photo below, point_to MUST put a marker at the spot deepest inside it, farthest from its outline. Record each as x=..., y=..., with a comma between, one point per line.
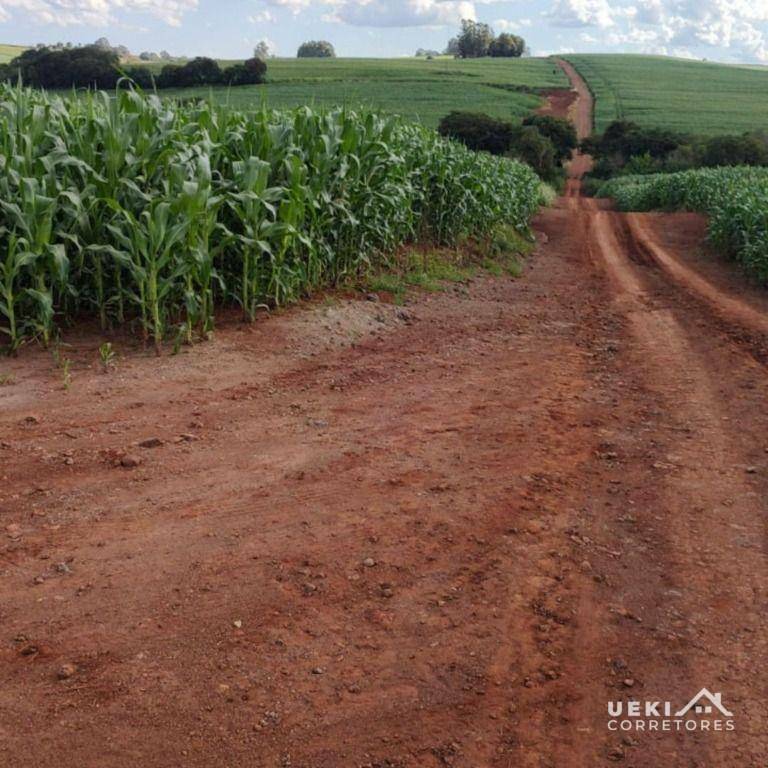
x=447, y=534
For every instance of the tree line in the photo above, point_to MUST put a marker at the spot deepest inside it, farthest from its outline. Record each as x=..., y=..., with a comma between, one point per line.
x=625, y=148
x=93, y=66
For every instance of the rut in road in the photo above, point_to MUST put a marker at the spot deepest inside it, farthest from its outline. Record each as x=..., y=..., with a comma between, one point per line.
x=360, y=535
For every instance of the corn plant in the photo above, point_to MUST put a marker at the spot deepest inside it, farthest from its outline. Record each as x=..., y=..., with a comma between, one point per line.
x=132, y=209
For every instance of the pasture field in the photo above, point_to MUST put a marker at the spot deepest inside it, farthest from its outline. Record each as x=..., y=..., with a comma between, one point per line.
x=414, y=88
x=690, y=96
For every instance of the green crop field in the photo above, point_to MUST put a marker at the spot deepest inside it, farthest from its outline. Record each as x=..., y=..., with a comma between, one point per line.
x=8, y=52
x=414, y=88
x=690, y=96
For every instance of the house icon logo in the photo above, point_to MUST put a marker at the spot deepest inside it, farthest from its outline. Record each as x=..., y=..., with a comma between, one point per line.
x=705, y=703
x=704, y=712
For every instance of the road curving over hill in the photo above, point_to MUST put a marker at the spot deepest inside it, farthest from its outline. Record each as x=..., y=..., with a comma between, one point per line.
x=363, y=535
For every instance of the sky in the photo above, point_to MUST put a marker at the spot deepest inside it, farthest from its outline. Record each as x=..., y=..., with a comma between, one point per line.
x=720, y=30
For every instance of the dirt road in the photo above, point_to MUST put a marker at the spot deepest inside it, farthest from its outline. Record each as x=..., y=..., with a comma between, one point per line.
x=443, y=535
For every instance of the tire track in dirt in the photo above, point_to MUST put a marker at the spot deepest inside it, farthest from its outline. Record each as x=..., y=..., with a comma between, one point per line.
x=707, y=476
x=699, y=592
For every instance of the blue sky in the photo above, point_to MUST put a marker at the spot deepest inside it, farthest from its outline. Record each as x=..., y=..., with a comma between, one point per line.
x=726, y=30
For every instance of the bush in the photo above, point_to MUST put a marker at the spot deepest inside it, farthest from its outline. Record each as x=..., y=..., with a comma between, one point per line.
x=250, y=72
x=316, y=49
x=484, y=133
x=478, y=131
x=734, y=150
x=198, y=71
x=559, y=131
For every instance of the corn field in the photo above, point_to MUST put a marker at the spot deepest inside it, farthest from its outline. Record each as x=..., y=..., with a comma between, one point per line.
x=132, y=210
x=735, y=199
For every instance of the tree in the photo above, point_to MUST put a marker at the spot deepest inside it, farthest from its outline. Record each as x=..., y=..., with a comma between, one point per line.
x=141, y=76
x=262, y=50
x=559, y=131
x=475, y=39
x=316, y=49
x=484, y=133
x=536, y=150
x=507, y=46
x=453, y=49
x=734, y=150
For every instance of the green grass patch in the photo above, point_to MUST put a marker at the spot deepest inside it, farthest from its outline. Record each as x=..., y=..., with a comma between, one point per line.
x=695, y=97
x=493, y=267
x=429, y=271
x=501, y=254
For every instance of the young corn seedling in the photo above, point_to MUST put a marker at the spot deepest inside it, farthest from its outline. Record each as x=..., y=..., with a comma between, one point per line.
x=107, y=357
x=66, y=373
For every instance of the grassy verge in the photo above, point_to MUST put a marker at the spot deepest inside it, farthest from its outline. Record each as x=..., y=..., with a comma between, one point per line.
x=438, y=269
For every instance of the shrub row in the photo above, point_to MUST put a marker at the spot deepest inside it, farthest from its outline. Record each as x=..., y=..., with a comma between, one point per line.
x=626, y=147
x=92, y=66
x=542, y=141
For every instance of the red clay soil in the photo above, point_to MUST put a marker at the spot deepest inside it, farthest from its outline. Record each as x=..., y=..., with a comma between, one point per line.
x=558, y=102
x=359, y=535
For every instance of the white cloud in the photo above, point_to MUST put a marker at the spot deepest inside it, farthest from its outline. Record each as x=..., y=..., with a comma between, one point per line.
x=263, y=17
x=581, y=13
x=96, y=13
x=510, y=25
x=294, y=6
x=674, y=27
x=405, y=13
x=387, y=13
